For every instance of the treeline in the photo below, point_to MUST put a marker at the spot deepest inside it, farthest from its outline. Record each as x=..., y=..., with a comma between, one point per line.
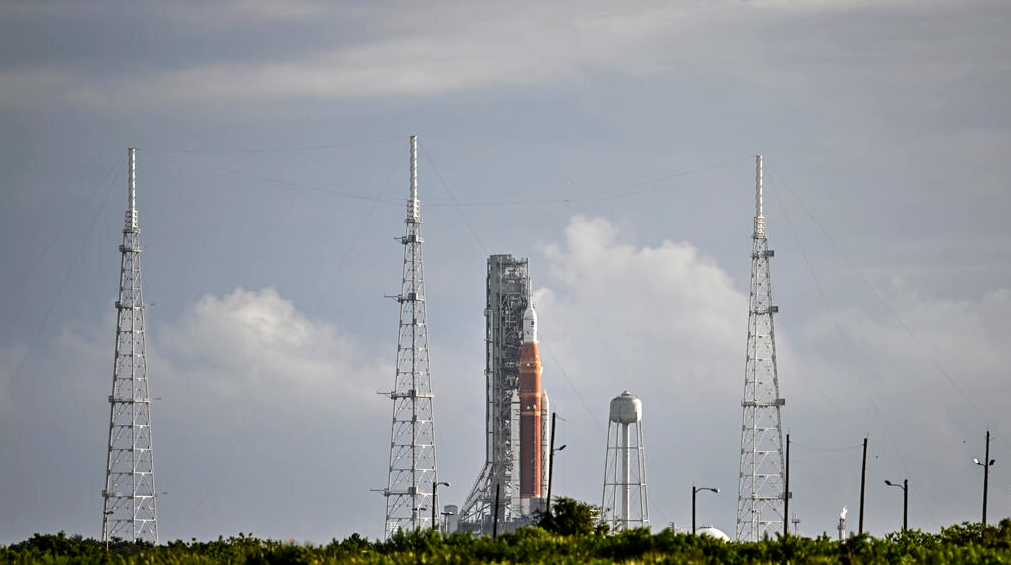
x=965, y=543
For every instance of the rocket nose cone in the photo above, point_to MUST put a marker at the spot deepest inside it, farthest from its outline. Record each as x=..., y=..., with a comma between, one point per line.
x=530, y=325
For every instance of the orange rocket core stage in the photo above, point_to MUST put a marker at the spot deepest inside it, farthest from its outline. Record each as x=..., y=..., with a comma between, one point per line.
x=530, y=410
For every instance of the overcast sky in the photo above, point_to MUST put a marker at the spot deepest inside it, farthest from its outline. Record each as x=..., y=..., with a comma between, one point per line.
x=610, y=143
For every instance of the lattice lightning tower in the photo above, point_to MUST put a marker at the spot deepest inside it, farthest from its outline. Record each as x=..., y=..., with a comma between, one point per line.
x=413, y=475
x=761, y=493
x=129, y=512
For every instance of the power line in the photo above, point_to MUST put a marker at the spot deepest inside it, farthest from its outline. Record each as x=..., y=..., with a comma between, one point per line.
x=270, y=150
x=70, y=269
x=466, y=221
x=839, y=332
x=240, y=442
x=888, y=308
x=77, y=212
x=281, y=182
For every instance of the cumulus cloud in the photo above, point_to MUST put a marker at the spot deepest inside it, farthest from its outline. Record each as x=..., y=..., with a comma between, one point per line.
x=255, y=403
x=664, y=314
x=667, y=323
x=264, y=408
x=257, y=343
x=664, y=322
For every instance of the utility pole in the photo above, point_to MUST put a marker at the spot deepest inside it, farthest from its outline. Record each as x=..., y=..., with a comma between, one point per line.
x=986, y=463
x=494, y=528
x=551, y=461
x=863, y=482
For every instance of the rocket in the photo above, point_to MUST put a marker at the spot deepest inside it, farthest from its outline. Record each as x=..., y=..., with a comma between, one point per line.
x=530, y=409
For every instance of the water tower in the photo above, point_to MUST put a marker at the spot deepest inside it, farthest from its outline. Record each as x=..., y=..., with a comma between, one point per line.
x=624, y=502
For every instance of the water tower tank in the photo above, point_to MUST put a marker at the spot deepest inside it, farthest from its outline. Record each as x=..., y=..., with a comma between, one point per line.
x=626, y=408
x=624, y=504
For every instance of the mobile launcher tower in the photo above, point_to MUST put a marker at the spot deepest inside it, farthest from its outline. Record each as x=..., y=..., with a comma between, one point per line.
x=514, y=479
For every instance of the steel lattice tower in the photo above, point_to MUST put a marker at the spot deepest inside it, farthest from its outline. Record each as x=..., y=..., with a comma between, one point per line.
x=413, y=474
x=507, y=297
x=130, y=511
x=761, y=493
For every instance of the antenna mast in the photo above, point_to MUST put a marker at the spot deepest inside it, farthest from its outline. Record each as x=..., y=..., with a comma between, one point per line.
x=761, y=495
x=413, y=475
x=129, y=512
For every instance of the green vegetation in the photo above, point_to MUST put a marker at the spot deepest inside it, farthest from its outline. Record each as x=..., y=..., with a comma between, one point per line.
x=569, y=517
x=966, y=543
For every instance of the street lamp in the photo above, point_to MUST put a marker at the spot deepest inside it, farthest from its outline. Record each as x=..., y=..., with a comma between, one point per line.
x=107, y=513
x=986, y=464
x=417, y=516
x=905, y=500
x=445, y=520
x=551, y=460
x=435, y=488
x=695, y=491
x=551, y=472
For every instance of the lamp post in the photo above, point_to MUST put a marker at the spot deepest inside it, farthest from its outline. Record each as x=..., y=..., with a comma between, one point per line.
x=107, y=513
x=445, y=520
x=435, y=488
x=986, y=463
x=695, y=491
x=905, y=500
x=551, y=461
x=551, y=472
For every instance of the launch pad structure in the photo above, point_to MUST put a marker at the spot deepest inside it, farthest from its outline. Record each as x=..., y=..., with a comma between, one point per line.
x=507, y=303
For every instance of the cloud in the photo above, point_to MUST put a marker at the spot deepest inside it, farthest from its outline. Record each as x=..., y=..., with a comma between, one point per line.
x=35, y=86
x=255, y=343
x=666, y=311
x=922, y=377
x=269, y=420
x=667, y=323
x=950, y=349
x=259, y=407
x=408, y=50
x=664, y=322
